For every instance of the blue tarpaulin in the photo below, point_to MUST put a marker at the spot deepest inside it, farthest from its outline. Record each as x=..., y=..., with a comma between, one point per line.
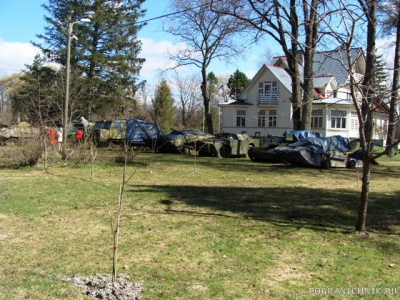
x=137, y=131
x=322, y=145
x=298, y=135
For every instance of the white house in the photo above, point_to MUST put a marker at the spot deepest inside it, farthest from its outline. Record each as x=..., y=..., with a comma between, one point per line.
x=264, y=106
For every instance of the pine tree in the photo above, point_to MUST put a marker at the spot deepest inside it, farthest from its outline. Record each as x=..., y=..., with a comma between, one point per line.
x=163, y=107
x=382, y=78
x=236, y=83
x=105, y=52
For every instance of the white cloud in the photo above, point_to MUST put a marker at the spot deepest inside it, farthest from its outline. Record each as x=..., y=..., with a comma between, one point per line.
x=157, y=58
x=14, y=56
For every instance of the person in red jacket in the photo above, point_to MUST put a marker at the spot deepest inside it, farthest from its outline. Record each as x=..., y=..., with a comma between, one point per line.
x=78, y=135
x=52, y=136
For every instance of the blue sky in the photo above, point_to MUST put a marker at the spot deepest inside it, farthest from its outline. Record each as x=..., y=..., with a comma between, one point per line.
x=21, y=20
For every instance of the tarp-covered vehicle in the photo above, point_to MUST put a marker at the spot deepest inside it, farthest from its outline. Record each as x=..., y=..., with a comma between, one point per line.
x=137, y=131
x=224, y=145
x=334, y=151
x=267, y=151
x=174, y=142
x=132, y=131
x=14, y=133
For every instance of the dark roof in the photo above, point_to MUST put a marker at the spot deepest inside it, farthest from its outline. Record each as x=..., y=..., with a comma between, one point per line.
x=334, y=63
x=237, y=102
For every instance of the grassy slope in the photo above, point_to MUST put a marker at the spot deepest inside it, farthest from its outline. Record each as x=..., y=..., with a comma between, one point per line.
x=233, y=229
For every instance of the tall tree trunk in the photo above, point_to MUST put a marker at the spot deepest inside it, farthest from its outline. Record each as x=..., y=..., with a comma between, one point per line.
x=206, y=100
x=293, y=61
x=369, y=8
x=395, y=90
x=311, y=30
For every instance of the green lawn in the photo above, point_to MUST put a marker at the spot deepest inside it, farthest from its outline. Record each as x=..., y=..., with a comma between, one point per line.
x=217, y=229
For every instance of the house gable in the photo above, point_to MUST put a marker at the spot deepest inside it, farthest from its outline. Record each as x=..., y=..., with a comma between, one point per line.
x=267, y=73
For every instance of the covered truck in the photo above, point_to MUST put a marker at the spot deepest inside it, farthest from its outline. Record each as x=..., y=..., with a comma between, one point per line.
x=267, y=151
x=334, y=151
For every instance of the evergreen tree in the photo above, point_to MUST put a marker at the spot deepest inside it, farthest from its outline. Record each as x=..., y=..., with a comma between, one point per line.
x=382, y=78
x=36, y=99
x=163, y=107
x=236, y=83
x=106, y=52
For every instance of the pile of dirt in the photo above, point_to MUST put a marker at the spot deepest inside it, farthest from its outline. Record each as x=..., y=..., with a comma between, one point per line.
x=102, y=287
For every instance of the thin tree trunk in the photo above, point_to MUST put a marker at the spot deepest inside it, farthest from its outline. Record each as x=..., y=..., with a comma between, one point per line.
x=116, y=233
x=362, y=212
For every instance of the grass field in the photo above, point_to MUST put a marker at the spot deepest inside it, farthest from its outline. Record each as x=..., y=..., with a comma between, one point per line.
x=217, y=229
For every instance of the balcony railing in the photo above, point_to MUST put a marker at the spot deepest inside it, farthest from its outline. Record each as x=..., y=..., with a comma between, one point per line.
x=268, y=99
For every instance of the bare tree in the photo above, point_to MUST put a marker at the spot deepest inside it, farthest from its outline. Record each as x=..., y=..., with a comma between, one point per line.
x=391, y=23
x=189, y=103
x=283, y=21
x=352, y=18
x=208, y=35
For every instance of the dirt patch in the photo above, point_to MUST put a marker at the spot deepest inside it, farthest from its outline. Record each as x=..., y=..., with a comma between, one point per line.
x=101, y=287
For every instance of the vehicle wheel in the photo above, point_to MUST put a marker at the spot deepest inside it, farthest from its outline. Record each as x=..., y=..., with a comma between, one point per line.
x=326, y=164
x=225, y=152
x=186, y=150
x=351, y=164
x=250, y=151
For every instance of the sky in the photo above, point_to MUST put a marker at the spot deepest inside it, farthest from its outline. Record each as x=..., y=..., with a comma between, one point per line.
x=21, y=20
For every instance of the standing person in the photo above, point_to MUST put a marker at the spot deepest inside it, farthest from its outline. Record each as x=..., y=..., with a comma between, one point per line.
x=85, y=123
x=78, y=135
x=59, y=138
x=52, y=135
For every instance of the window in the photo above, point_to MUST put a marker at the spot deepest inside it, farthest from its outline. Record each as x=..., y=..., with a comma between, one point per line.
x=338, y=118
x=354, y=121
x=268, y=87
x=317, y=117
x=241, y=118
x=272, y=118
x=261, y=118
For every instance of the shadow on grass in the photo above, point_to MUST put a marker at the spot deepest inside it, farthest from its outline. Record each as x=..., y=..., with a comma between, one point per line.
x=316, y=209
x=245, y=165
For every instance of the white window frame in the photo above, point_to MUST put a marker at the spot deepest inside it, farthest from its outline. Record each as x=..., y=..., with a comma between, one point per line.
x=317, y=118
x=338, y=119
x=354, y=124
x=268, y=87
x=241, y=118
x=272, y=113
x=261, y=118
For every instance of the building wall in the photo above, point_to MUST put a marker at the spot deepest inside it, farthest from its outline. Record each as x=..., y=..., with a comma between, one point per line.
x=283, y=111
x=329, y=127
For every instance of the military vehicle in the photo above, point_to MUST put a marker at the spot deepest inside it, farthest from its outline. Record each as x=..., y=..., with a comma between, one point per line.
x=14, y=133
x=267, y=151
x=175, y=141
x=132, y=131
x=137, y=131
x=109, y=132
x=333, y=151
x=224, y=145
